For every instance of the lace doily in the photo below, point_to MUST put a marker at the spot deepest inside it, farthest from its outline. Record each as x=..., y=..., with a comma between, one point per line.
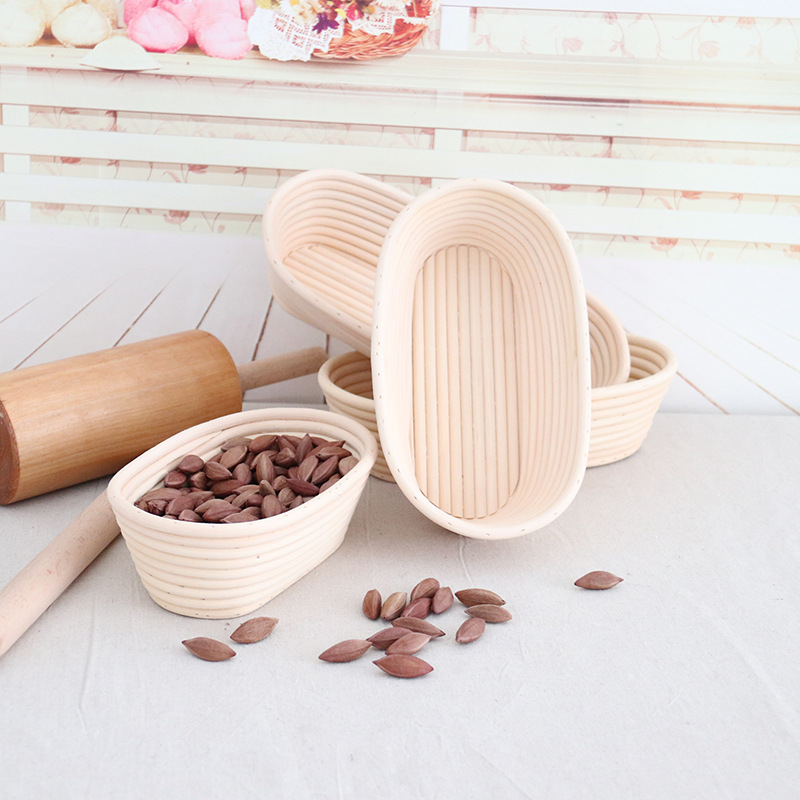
x=280, y=35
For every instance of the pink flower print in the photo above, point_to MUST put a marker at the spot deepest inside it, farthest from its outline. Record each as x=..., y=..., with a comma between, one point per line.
x=663, y=244
x=69, y=160
x=708, y=49
x=572, y=44
x=174, y=217
x=745, y=22
x=686, y=195
x=609, y=17
x=198, y=168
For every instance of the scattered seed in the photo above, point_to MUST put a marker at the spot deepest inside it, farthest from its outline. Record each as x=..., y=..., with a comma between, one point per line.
x=475, y=597
x=418, y=626
x=208, y=649
x=489, y=612
x=349, y=650
x=254, y=630
x=393, y=605
x=599, y=579
x=383, y=638
x=371, y=605
x=470, y=630
x=408, y=645
x=425, y=588
x=400, y=666
x=420, y=608
x=442, y=600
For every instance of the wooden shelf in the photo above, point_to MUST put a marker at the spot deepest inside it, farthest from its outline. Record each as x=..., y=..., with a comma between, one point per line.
x=514, y=76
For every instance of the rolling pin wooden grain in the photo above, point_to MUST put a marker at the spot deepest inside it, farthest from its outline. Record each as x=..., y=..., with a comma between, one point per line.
x=77, y=419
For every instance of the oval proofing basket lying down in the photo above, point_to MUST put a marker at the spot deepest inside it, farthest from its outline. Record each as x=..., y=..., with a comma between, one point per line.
x=481, y=359
x=323, y=230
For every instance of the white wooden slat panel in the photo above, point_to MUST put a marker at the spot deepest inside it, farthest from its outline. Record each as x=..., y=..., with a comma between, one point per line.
x=577, y=218
x=512, y=75
x=101, y=90
x=448, y=164
x=96, y=192
x=725, y=386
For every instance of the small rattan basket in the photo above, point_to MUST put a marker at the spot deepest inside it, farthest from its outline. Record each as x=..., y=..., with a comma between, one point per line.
x=357, y=44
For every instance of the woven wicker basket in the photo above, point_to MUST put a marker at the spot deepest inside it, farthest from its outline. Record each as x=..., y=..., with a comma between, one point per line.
x=362, y=46
x=623, y=413
x=481, y=359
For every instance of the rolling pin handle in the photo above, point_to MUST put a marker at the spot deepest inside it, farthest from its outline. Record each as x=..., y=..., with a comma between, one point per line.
x=281, y=368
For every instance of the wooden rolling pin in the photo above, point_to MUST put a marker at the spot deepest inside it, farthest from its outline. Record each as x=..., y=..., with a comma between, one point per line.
x=70, y=421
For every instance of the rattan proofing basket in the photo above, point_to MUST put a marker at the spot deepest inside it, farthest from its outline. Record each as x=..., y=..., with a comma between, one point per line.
x=622, y=414
x=219, y=571
x=323, y=231
x=481, y=359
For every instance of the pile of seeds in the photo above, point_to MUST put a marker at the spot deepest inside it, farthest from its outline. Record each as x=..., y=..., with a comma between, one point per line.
x=410, y=631
x=249, y=479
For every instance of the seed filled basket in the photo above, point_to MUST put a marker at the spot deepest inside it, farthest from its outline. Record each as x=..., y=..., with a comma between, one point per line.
x=323, y=231
x=346, y=380
x=481, y=359
x=623, y=413
x=219, y=570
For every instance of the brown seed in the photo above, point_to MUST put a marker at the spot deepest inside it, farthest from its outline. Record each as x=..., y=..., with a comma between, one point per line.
x=161, y=494
x=217, y=510
x=216, y=472
x=393, y=605
x=237, y=441
x=190, y=516
x=240, y=516
x=301, y=487
x=346, y=464
x=324, y=470
x=332, y=450
x=222, y=488
x=178, y=504
x=425, y=588
x=408, y=645
x=286, y=457
x=242, y=473
x=261, y=443
x=383, y=638
x=208, y=649
x=371, y=604
x=265, y=488
x=330, y=482
x=400, y=666
x=599, y=579
x=199, y=480
x=254, y=630
x=476, y=597
x=470, y=630
x=418, y=626
x=191, y=464
x=348, y=650
x=306, y=467
x=175, y=479
x=233, y=456
x=264, y=468
x=489, y=612
x=286, y=495
x=420, y=608
x=271, y=506
x=442, y=600
x=304, y=447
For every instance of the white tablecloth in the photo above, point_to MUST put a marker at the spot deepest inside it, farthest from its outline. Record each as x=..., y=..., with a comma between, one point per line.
x=681, y=682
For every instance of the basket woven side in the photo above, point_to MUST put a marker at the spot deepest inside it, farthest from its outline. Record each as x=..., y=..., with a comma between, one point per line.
x=358, y=45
